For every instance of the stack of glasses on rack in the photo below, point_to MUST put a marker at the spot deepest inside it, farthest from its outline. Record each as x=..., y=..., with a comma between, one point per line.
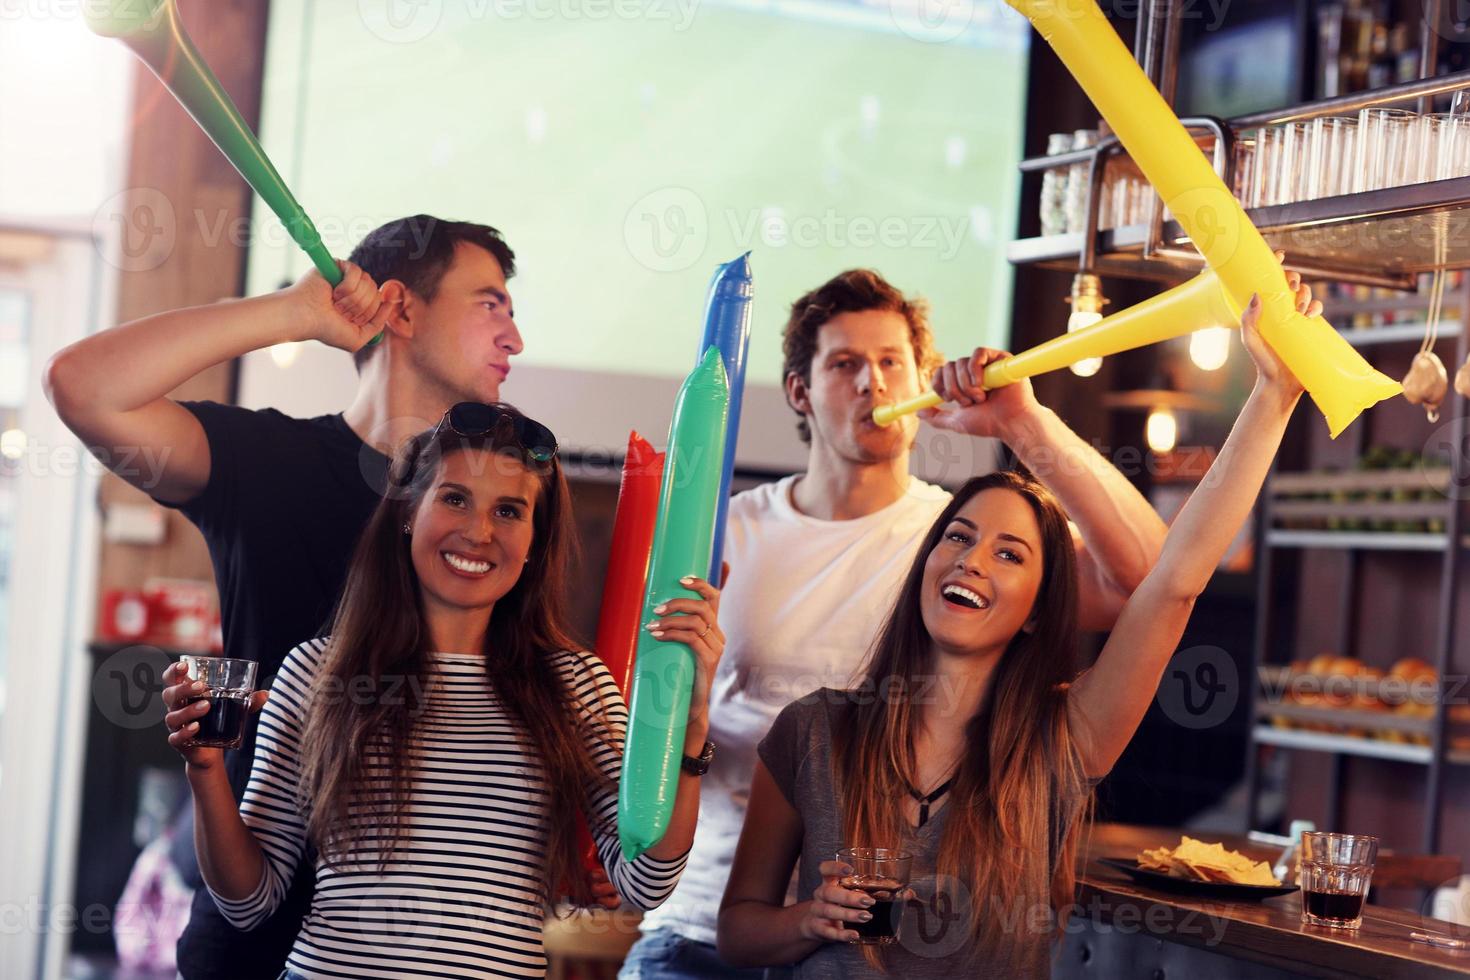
x=1126, y=196
x=1128, y=199
x=1283, y=164
x=1334, y=155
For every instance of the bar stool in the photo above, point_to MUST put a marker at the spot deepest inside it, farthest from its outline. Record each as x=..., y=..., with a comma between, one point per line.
x=598, y=939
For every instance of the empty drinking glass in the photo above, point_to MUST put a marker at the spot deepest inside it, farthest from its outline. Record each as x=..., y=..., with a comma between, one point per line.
x=1383, y=145
x=1263, y=174
x=1330, y=157
x=1291, y=164
x=1439, y=146
x=1127, y=202
x=1454, y=147
x=1245, y=160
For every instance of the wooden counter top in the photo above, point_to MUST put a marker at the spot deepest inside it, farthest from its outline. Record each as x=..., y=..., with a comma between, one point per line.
x=1270, y=931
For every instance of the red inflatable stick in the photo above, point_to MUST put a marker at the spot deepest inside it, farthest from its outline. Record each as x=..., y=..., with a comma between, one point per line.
x=627, y=575
x=627, y=567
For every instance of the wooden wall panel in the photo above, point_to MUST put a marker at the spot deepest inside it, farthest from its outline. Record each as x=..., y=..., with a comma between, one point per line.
x=170, y=156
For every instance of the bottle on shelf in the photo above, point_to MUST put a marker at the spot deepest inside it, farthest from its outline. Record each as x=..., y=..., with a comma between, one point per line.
x=1329, y=50
x=1368, y=44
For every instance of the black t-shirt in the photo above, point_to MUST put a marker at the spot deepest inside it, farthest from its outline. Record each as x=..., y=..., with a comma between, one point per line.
x=285, y=504
x=286, y=501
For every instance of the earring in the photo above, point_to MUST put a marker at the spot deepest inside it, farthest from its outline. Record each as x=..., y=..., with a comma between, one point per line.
x=407, y=529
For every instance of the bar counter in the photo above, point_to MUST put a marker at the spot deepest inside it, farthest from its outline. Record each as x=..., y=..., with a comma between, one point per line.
x=1125, y=929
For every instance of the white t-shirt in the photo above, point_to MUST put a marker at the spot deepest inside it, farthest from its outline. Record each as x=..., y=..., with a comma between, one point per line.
x=805, y=599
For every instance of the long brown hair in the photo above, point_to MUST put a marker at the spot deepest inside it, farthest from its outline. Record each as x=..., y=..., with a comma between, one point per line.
x=999, y=841
x=380, y=633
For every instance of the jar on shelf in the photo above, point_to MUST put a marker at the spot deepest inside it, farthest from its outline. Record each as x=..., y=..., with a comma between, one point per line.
x=1054, y=187
x=1078, y=179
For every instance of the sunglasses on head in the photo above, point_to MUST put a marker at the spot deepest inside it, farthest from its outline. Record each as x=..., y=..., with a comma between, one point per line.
x=477, y=419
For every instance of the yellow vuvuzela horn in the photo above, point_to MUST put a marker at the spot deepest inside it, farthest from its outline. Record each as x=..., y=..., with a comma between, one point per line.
x=1334, y=374
x=1200, y=302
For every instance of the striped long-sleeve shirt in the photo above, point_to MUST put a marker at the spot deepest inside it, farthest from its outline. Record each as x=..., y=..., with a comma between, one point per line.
x=461, y=896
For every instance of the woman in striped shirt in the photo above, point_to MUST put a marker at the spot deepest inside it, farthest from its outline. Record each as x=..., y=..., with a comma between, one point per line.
x=432, y=752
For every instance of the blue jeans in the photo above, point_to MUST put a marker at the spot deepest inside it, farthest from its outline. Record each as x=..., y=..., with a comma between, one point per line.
x=663, y=954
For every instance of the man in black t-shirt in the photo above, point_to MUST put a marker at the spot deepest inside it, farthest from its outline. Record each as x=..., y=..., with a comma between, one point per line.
x=281, y=501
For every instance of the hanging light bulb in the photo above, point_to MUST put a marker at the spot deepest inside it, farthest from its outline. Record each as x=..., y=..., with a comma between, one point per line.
x=1088, y=366
x=1087, y=302
x=12, y=443
x=1209, y=348
x=285, y=354
x=1161, y=431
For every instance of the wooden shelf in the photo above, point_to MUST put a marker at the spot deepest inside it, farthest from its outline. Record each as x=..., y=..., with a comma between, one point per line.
x=1292, y=738
x=1357, y=540
x=1397, y=333
x=1371, y=748
x=1391, y=510
x=1347, y=718
x=1408, y=301
x=1313, y=501
x=1436, y=478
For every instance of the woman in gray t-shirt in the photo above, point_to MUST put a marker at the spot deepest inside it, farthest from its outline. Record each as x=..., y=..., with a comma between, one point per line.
x=968, y=742
x=934, y=926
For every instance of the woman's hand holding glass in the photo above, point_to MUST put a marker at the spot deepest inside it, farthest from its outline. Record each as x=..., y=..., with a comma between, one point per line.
x=187, y=702
x=832, y=907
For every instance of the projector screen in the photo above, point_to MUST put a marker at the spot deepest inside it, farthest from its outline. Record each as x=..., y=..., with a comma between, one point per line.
x=625, y=147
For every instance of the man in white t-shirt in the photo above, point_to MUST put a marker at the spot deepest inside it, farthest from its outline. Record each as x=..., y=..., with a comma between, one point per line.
x=816, y=559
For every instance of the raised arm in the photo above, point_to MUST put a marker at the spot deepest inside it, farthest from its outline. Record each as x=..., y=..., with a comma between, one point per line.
x=111, y=389
x=1108, y=701
x=1117, y=533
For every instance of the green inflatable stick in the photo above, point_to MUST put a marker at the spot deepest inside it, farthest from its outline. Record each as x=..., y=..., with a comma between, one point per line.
x=153, y=30
x=683, y=541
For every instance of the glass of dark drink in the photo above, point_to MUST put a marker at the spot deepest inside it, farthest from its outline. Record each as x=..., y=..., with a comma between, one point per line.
x=1336, y=872
x=882, y=873
x=231, y=683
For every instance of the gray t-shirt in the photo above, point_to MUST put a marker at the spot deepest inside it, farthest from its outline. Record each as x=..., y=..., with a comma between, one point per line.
x=933, y=933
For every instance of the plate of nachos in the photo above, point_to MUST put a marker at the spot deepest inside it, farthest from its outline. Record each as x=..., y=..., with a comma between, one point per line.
x=1198, y=868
